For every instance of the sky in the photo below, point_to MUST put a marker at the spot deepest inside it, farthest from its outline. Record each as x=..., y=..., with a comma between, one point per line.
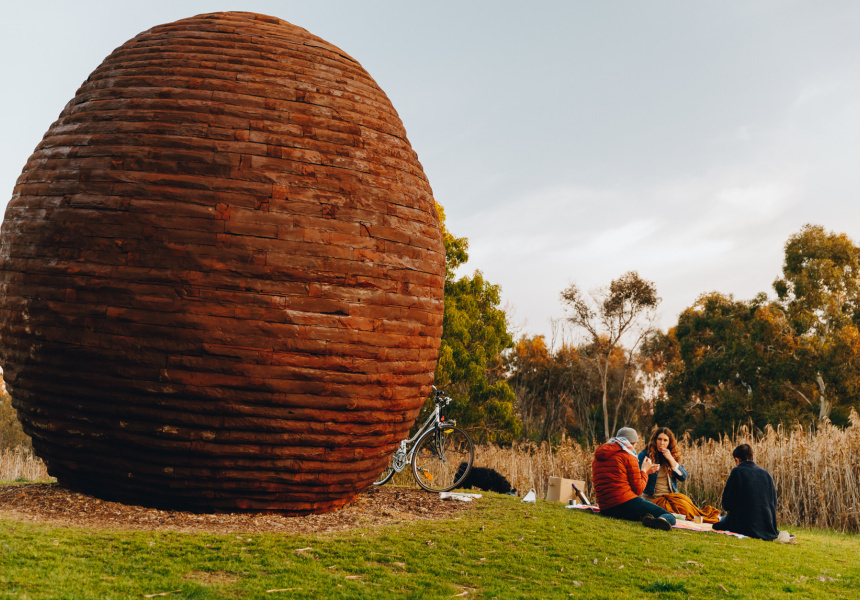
x=569, y=141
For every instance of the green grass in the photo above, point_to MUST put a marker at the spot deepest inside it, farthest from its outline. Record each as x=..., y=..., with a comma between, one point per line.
x=503, y=549
x=25, y=480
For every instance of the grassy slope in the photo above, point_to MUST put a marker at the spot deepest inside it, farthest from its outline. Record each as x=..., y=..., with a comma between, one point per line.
x=503, y=549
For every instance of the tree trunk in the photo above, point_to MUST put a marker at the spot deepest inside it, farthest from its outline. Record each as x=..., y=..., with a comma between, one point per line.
x=605, y=393
x=615, y=416
x=620, y=400
x=825, y=406
x=548, y=417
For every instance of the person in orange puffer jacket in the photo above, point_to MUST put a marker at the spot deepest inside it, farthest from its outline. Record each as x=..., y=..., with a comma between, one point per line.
x=619, y=481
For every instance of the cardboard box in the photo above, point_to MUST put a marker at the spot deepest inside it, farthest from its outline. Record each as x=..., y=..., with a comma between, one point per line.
x=561, y=490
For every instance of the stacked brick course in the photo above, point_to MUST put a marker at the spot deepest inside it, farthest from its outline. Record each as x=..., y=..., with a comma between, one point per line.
x=221, y=274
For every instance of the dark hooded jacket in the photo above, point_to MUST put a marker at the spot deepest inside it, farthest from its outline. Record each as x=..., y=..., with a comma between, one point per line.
x=616, y=475
x=750, y=499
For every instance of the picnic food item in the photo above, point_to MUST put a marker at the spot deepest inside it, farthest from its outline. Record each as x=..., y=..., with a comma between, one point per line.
x=221, y=274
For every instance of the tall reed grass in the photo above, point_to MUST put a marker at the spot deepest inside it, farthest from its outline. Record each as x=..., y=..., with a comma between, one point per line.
x=20, y=464
x=816, y=470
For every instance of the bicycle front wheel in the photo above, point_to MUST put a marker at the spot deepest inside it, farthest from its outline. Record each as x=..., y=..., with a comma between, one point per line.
x=443, y=458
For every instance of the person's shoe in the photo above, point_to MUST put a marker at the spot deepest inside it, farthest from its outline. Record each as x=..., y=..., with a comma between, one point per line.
x=653, y=522
x=786, y=538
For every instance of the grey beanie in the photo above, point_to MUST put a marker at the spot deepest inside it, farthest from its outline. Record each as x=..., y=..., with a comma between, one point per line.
x=629, y=433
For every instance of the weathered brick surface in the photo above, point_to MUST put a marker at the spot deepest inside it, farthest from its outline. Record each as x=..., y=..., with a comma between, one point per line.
x=222, y=272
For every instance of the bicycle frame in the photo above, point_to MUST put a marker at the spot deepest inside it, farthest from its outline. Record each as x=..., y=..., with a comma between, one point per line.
x=433, y=420
x=432, y=468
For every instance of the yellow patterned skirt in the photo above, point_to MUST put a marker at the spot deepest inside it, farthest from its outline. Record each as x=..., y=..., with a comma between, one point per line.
x=681, y=504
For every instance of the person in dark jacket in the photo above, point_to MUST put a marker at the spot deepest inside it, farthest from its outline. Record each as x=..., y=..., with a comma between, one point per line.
x=619, y=480
x=750, y=499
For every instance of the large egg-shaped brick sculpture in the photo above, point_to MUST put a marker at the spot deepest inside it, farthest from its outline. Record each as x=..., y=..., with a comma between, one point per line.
x=222, y=274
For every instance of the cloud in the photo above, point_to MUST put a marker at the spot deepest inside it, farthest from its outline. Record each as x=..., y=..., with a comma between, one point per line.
x=762, y=199
x=542, y=221
x=815, y=92
x=621, y=239
x=690, y=235
x=680, y=223
x=740, y=135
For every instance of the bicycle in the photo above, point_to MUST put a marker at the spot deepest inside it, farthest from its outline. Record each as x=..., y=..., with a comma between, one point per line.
x=437, y=452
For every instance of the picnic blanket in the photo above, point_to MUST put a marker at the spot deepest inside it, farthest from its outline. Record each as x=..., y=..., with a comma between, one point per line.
x=679, y=524
x=682, y=505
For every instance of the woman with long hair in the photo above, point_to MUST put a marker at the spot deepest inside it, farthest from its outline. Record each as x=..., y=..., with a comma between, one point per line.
x=662, y=486
x=663, y=451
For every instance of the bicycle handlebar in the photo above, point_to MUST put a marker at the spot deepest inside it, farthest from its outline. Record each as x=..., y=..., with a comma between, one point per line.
x=440, y=397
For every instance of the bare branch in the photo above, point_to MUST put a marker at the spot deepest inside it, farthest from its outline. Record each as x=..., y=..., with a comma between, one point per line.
x=798, y=392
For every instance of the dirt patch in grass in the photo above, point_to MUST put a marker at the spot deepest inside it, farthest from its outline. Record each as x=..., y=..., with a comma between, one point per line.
x=53, y=504
x=212, y=577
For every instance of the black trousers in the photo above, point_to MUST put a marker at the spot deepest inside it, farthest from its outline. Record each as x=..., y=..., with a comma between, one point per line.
x=634, y=510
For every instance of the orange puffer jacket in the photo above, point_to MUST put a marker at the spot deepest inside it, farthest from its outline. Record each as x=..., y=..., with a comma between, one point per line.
x=616, y=476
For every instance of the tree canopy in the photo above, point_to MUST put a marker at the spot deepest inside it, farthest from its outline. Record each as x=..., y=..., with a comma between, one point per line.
x=820, y=294
x=559, y=393
x=792, y=357
x=474, y=336
x=627, y=307
x=795, y=358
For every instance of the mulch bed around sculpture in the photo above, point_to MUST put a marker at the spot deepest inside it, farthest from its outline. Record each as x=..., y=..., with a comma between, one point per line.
x=52, y=504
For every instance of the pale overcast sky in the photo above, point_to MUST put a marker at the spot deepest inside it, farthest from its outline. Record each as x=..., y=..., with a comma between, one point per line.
x=568, y=141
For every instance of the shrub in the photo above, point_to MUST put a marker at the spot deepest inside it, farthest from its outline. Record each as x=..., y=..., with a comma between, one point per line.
x=11, y=434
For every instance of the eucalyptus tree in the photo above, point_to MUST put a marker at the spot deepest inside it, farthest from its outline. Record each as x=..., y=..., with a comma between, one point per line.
x=474, y=336
x=820, y=293
x=624, y=310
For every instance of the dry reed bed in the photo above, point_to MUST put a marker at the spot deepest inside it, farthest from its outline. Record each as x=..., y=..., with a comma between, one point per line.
x=20, y=463
x=816, y=471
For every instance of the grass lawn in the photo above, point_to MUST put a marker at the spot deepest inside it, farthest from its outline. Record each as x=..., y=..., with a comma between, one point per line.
x=502, y=549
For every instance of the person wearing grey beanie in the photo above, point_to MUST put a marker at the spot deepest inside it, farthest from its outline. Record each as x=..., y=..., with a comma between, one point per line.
x=619, y=481
x=629, y=433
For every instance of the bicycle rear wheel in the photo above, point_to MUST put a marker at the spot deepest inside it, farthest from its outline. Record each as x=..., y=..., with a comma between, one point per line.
x=443, y=458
